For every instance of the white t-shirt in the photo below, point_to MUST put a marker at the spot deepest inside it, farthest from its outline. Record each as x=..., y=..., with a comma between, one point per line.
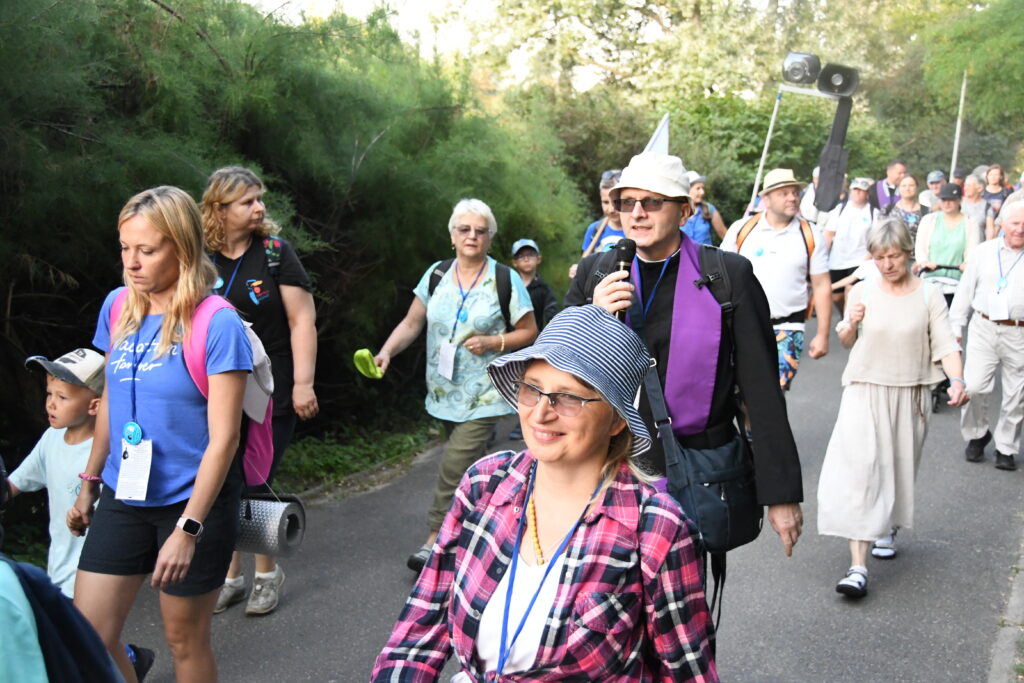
x=867, y=270
x=850, y=244
x=54, y=465
x=781, y=264
x=524, y=651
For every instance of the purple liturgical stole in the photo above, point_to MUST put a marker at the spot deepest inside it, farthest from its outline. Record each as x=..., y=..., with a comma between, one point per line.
x=694, y=346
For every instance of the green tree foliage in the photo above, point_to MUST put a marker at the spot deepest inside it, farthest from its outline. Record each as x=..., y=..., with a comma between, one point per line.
x=364, y=147
x=715, y=67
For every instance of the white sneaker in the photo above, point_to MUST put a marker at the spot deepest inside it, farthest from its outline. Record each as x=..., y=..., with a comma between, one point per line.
x=855, y=583
x=885, y=548
x=229, y=595
x=265, y=594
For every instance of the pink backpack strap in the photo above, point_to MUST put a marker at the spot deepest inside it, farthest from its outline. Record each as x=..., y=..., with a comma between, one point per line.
x=194, y=346
x=115, y=312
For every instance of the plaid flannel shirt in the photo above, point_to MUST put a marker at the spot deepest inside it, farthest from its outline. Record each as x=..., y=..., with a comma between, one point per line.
x=630, y=604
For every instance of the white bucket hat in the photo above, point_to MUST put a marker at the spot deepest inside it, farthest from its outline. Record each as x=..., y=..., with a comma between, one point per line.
x=661, y=173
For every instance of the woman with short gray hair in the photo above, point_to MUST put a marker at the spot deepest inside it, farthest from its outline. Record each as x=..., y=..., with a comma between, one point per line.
x=477, y=310
x=898, y=328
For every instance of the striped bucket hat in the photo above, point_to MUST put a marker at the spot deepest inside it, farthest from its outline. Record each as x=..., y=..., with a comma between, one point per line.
x=591, y=345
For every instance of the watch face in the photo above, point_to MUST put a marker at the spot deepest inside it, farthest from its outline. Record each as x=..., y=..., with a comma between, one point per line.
x=191, y=527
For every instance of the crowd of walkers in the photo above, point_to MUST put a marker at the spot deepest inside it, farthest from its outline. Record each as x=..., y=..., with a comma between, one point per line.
x=584, y=555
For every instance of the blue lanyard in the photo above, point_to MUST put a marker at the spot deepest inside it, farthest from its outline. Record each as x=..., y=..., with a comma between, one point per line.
x=1004, y=280
x=465, y=295
x=654, y=290
x=506, y=650
x=238, y=264
x=137, y=361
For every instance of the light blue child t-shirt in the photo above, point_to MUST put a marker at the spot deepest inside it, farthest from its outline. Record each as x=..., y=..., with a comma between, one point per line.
x=54, y=465
x=168, y=405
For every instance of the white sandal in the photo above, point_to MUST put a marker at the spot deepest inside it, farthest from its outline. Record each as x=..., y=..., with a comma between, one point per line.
x=855, y=583
x=885, y=548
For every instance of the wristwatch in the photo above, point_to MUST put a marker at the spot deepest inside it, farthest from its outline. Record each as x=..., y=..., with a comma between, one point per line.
x=190, y=526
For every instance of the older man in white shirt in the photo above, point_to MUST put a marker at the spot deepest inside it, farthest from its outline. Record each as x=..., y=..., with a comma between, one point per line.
x=993, y=287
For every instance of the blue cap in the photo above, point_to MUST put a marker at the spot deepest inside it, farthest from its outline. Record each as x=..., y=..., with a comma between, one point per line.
x=525, y=242
x=593, y=346
x=936, y=177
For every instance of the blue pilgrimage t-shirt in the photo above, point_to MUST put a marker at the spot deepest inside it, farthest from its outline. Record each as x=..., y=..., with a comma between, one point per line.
x=54, y=464
x=610, y=236
x=168, y=405
x=699, y=228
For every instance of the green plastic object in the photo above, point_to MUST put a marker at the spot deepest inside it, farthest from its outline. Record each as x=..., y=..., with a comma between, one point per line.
x=363, y=360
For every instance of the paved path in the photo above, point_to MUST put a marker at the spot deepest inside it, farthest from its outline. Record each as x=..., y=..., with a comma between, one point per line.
x=933, y=614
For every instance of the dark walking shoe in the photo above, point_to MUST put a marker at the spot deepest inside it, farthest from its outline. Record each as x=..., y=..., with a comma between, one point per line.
x=418, y=559
x=143, y=660
x=975, y=451
x=1005, y=462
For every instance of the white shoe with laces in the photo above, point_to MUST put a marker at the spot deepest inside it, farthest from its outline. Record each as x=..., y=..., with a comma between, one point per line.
x=855, y=583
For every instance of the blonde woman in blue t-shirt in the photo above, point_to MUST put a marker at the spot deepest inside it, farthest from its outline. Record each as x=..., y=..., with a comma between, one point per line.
x=165, y=455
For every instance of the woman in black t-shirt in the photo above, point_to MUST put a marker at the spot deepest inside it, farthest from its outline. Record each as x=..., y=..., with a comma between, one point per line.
x=261, y=275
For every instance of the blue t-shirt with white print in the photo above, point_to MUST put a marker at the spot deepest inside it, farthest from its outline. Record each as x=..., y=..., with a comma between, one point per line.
x=168, y=405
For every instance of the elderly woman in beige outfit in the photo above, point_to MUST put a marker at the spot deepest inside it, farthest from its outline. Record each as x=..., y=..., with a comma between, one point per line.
x=898, y=328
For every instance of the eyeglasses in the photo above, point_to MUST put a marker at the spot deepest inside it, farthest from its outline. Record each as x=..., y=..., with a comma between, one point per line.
x=566, y=405
x=649, y=204
x=611, y=175
x=465, y=230
x=528, y=256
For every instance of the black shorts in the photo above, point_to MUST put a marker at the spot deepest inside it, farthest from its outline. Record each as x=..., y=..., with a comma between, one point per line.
x=124, y=540
x=838, y=275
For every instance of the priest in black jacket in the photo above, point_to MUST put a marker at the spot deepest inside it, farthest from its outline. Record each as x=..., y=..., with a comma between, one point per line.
x=699, y=368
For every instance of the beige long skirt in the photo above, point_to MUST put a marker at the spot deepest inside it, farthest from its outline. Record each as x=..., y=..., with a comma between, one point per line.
x=867, y=479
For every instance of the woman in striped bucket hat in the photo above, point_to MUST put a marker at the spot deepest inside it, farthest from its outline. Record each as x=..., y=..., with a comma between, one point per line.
x=561, y=562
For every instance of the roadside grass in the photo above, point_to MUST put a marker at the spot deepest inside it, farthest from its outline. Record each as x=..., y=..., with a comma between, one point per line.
x=317, y=461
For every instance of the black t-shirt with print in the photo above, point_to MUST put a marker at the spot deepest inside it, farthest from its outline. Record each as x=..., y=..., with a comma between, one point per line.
x=249, y=285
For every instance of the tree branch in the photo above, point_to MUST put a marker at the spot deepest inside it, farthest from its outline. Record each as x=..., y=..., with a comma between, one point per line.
x=199, y=32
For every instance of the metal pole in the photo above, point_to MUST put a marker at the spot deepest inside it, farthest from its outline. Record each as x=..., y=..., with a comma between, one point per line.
x=959, y=120
x=764, y=152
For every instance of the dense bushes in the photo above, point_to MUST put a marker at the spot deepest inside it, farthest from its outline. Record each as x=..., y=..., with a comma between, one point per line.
x=364, y=147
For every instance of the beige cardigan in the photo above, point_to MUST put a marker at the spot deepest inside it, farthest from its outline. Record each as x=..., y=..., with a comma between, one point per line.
x=927, y=227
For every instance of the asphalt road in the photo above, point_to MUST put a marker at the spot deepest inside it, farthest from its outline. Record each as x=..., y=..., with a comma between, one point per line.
x=938, y=612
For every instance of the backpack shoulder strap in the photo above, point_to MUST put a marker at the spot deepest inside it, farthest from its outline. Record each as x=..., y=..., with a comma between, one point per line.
x=194, y=346
x=272, y=252
x=805, y=228
x=745, y=230
x=503, y=281
x=439, y=271
x=115, y=312
x=714, y=274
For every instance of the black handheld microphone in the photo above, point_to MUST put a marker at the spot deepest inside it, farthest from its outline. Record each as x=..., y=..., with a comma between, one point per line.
x=625, y=252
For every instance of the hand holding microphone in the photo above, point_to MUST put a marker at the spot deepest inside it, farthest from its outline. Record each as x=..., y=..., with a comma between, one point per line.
x=615, y=293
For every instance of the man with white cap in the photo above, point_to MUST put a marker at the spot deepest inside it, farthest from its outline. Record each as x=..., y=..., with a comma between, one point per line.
x=992, y=287
x=930, y=197
x=846, y=235
x=787, y=252
x=699, y=366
